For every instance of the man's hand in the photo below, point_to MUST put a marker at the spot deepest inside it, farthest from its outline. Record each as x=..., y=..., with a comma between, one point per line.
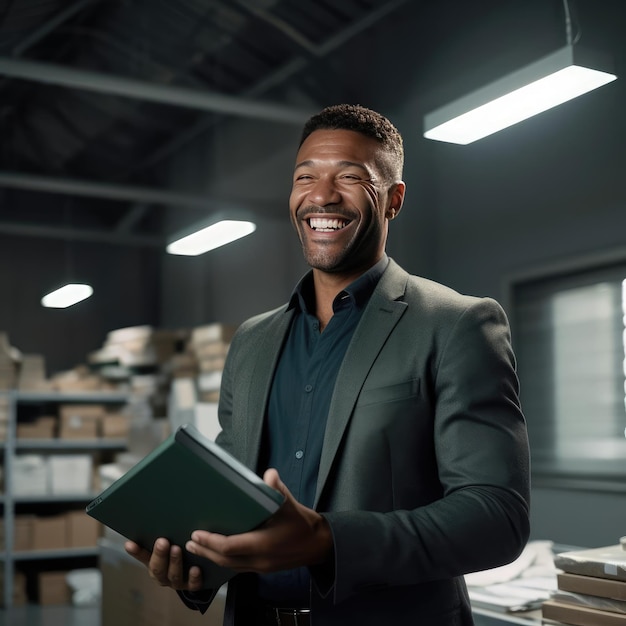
x=294, y=536
x=165, y=565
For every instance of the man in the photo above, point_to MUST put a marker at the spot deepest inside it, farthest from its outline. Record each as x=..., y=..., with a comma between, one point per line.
x=386, y=407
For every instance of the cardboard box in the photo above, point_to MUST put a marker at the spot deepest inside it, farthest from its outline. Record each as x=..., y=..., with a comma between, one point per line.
x=82, y=531
x=212, y=332
x=50, y=532
x=80, y=421
x=53, y=588
x=70, y=473
x=580, y=615
x=592, y=586
x=43, y=427
x=32, y=373
x=131, y=598
x=20, y=597
x=30, y=475
x=22, y=533
x=115, y=426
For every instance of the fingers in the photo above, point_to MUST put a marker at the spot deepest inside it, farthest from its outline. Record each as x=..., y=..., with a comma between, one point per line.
x=159, y=563
x=194, y=580
x=165, y=565
x=137, y=552
x=272, y=478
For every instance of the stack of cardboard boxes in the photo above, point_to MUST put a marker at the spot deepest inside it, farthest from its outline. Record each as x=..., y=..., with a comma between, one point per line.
x=209, y=344
x=72, y=529
x=591, y=587
x=4, y=419
x=9, y=363
x=76, y=421
x=32, y=375
x=19, y=589
x=139, y=357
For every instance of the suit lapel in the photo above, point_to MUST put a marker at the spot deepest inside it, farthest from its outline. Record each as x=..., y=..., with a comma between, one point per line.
x=379, y=319
x=262, y=373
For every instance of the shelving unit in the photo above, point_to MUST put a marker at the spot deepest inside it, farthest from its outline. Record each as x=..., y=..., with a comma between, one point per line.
x=12, y=445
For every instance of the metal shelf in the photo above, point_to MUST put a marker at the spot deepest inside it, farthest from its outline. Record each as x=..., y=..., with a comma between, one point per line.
x=12, y=445
x=70, y=444
x=52, y=498
x=65, y=553
x=59, y=397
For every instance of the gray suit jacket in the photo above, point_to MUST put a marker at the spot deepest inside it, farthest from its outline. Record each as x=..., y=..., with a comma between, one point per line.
x=424, y=473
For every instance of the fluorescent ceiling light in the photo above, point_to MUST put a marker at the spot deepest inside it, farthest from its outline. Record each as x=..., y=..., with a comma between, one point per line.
x=212, y=236
x=558, y=77
x=67, y=296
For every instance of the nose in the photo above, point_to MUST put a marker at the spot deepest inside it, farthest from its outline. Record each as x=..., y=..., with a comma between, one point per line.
x=324, y=191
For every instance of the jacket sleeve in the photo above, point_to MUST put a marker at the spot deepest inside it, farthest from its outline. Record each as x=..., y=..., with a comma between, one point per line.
x=481, y=519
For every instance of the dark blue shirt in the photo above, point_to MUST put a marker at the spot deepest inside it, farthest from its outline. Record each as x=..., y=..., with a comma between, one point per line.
x=299, y=403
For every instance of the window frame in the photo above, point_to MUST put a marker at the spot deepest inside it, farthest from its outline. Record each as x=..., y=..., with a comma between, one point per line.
x=611, y=482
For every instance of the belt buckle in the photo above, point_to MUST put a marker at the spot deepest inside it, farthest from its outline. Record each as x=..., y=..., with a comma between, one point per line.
x=293, y=614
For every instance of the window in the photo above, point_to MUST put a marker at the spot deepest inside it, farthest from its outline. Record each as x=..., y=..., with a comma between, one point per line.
x=569, y=338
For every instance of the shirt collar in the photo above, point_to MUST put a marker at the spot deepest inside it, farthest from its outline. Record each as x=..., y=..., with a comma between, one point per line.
x=359, y=291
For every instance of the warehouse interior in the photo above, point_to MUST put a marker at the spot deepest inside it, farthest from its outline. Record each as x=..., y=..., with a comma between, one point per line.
x=125, y=122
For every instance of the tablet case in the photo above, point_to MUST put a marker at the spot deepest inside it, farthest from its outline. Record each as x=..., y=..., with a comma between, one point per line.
x=187, y=483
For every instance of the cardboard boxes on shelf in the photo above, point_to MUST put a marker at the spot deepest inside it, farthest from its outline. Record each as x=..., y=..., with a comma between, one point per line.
x=53, y=588
x=80, y=421
x=22, y=533
x=30, y=475
x=70, y=473
x=4, y=417
x=19, y=589
x=54, y=474
x=32, y=373
x=49, y=532
x=9, y=362
x=72, y=529
x=137, y=346
x=43, y=427
x=210, y=344
x=74, y=422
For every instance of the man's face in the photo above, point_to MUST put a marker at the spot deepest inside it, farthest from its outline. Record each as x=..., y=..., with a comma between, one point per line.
x=339, y=202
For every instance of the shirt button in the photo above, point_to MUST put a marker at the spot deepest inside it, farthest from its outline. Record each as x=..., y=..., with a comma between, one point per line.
x=316, y=326
x=308, y=388
x=299, y=454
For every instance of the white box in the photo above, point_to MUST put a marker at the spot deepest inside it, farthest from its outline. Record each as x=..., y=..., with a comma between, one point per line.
x=30, y=475
x=70, y=473
x=206, y=419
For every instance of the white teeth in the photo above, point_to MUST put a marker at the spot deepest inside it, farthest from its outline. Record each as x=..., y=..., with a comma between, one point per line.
x=327, y=225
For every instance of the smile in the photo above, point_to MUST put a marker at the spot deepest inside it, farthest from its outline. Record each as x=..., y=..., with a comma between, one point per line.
x=325, y=225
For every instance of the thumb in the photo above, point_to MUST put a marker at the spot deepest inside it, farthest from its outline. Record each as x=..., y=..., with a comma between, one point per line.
x=272, y=478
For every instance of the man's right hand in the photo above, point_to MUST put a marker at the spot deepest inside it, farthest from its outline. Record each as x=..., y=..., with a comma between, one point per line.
x=165, y=565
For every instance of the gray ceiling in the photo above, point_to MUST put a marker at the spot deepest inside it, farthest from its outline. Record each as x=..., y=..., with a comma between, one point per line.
x=96, y=95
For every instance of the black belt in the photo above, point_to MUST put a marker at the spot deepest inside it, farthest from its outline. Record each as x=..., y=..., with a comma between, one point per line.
x=279, y=616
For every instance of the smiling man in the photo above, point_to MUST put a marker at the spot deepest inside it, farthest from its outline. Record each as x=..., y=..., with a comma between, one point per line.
x=385, y=408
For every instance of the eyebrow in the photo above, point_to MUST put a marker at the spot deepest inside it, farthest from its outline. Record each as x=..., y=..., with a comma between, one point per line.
x=311, y=163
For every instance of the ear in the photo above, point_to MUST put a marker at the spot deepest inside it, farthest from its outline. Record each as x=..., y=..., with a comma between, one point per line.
x=396, y=199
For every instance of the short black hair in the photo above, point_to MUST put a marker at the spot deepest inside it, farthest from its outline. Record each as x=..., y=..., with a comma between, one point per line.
x=367, y=122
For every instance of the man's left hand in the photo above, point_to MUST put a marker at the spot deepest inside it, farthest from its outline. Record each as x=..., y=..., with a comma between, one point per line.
x=294, y=536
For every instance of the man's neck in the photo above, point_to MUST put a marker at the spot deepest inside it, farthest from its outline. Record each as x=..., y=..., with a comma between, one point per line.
x=327, y=286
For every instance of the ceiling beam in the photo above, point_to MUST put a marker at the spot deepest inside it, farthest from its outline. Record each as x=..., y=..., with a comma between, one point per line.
x=47, y=27
x=81, y=234
x=108, y=191
x=53, y=74
x=277, y=78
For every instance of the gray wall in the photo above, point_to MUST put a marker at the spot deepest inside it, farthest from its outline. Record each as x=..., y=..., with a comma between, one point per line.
x=126, y=293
